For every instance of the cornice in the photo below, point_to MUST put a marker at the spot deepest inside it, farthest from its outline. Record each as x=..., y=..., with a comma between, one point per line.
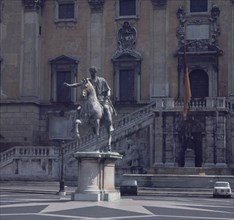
x=96, y=6
x=159, y=4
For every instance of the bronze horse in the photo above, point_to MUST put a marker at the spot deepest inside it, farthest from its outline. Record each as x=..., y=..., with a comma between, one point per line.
x=92, y=112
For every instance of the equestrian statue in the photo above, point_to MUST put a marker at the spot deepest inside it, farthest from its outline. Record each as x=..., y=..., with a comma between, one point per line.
x=96, y=107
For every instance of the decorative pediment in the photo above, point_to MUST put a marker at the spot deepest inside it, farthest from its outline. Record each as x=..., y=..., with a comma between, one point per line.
x=126, y=55
x=198, y=46
x=159, y=4
x=33, y=5
x=96, y=5
x=64, y=59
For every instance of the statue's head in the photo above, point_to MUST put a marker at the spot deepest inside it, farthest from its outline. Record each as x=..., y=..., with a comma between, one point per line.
x=93, y=71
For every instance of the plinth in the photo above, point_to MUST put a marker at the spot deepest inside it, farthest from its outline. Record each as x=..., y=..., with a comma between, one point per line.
x=96, y=176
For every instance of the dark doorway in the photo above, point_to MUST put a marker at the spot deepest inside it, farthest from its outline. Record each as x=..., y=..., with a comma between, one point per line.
x=199, y=83
x=194, y=142
x=126, y=86
x=198, y=149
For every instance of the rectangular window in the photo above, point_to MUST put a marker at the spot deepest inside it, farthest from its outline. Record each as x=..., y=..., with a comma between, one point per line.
x=198, y=5
x=66, y=11
x=63, y=93
x=127, y=8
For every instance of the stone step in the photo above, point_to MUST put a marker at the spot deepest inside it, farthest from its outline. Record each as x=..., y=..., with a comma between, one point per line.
x=192, y=170
x=178, y=181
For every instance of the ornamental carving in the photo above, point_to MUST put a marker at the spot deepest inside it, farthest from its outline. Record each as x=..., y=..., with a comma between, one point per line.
x=126, y=42
x=180, y=31
x=127, y=37
x=159, y=4
x=197, y=45
x=96, y=5
x=33, y=5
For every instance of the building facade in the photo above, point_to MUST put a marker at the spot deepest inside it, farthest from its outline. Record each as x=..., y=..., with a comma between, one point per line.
x=138, y=46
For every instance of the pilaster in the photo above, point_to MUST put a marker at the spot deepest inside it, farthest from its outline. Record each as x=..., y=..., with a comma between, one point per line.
x=158, y=141
x=221, y=141
x=159, y=84
x=96, y=32
x=30, y=49
x=209, y=146
x=231, y=49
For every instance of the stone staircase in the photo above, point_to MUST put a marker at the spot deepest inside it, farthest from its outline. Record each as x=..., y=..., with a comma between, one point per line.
x=124, y=126
x=20, y=161
x=38, y=156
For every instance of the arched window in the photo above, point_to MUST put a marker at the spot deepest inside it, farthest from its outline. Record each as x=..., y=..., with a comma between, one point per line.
x=199, y=83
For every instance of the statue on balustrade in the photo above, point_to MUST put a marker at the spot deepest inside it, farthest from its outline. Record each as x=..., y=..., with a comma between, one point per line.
x=96, y=107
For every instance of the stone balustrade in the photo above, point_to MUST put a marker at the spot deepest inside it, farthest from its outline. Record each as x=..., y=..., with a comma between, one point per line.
x=28, y=152
x=203, y=104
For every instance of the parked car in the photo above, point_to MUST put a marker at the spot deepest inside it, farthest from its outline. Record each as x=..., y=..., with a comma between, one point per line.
x=222, y=189
x=129, y=187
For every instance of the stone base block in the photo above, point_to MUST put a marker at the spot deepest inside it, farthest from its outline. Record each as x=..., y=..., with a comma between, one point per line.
x=101, y=196
x=86, y=197
x=111, y=196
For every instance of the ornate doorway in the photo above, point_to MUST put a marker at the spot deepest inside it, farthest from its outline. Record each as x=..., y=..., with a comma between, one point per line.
x=190, y=139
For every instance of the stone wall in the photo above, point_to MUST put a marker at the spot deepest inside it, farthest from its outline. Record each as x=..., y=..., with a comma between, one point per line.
x=19, y=123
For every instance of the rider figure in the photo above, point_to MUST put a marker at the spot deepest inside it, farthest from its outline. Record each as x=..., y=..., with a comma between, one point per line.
x=103, y=92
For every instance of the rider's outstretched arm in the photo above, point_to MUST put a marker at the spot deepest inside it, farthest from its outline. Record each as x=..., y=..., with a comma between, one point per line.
x=73, y=84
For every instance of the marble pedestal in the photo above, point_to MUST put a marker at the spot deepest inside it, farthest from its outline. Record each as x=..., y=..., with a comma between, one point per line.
x=96, y=176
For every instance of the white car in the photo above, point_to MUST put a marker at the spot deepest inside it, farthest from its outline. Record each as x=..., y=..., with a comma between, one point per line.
x=222, y=189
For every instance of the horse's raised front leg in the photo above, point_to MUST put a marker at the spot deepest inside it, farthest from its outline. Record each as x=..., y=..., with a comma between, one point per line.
x=77, y=123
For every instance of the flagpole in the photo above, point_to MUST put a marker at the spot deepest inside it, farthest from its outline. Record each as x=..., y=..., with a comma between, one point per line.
x=187, y=89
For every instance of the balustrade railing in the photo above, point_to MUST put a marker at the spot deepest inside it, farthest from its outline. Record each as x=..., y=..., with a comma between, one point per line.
x=208, y=103
x=29, y=152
